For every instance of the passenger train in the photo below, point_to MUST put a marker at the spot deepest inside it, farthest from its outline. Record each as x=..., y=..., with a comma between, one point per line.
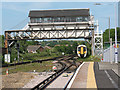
x=82, y=51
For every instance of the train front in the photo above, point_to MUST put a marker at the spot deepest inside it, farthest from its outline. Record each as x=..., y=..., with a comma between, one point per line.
x=82, y=51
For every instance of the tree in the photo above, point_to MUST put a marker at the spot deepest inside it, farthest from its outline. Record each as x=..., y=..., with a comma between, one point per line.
x=74, y=46
x=112, y=35
x=69, y=49
x=3, y=38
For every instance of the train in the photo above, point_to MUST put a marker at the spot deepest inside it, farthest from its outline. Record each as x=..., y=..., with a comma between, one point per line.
x=82, y=51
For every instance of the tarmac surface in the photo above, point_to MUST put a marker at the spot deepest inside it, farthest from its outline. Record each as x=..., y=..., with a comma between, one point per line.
x=106, y=77
x=107, y=66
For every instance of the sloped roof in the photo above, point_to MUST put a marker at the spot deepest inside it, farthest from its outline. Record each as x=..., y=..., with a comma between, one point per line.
x=47, y=47
x=33, y=47
x=59, y=12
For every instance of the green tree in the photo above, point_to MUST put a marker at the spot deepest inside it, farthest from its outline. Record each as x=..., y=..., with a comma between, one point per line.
x=112, y=35
x=74, y=46
x=69, y=49
x=3, y=38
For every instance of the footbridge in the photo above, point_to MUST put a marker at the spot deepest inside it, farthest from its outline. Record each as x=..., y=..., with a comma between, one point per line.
x=55, y=24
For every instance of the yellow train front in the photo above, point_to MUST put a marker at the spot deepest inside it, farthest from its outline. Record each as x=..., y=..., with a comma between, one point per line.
x=82, y=51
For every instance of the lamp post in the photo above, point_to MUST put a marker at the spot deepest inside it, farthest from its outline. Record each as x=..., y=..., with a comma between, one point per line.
x=116, y=53
x=109, y=29
x=108, y=25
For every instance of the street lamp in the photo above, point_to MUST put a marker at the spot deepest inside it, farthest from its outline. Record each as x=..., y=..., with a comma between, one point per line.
x=108, y=25
x=116, y=53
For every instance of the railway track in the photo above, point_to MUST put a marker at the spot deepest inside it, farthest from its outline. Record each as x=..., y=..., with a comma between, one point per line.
x=42, y=85
x=39, y=61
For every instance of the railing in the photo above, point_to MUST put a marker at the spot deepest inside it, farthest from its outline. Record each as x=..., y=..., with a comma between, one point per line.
x=109, y=54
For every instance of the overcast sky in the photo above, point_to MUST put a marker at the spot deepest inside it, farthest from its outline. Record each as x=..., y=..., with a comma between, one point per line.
x=15, y=14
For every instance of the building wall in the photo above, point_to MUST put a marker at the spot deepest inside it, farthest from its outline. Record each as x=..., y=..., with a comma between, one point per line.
x=41, y=49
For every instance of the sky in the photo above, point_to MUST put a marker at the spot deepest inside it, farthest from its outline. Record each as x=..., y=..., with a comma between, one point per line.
x=15, y=14
x=119, y=14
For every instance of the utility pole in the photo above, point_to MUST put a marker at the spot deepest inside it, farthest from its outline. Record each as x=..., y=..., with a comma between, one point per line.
x=116, y=53
x=109, y=29
x=111, y=51
x=18, y=51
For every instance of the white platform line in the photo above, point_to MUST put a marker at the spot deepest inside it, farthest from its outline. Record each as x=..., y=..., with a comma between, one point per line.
x=71, y=82
x=112, y=81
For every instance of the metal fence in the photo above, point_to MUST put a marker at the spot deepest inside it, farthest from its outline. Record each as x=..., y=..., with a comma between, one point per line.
x=119, y=53
x=109, y=54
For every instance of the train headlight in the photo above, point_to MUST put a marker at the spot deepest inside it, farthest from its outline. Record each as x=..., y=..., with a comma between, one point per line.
x=78, y=52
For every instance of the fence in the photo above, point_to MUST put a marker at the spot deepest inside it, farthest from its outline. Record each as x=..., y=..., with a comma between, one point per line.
x=109, y=54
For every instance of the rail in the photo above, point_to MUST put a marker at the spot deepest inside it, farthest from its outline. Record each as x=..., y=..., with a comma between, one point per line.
x=39, y=61
x=47, y=81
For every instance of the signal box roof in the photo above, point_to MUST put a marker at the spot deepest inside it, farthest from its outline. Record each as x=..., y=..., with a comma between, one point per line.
x=59, y=13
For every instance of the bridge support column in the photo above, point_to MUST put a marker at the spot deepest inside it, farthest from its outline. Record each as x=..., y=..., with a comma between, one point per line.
x=6, y=41
x=92, y=42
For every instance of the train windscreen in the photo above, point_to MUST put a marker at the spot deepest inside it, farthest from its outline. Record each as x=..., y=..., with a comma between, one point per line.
x=84, y=49
x=79, y=48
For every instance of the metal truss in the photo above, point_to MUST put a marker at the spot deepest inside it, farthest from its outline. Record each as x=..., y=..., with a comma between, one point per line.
x=98, y=43
x=48, y=34
x=40, y=31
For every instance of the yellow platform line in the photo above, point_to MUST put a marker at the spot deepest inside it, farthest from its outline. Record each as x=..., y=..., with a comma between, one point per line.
x=91, y=82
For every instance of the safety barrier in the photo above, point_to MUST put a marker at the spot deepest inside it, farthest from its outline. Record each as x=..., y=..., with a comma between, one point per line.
x=109, y=54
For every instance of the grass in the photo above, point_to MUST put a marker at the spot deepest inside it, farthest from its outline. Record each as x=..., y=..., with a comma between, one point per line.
x=88, y=59
x=38, y=67
x=36, y=56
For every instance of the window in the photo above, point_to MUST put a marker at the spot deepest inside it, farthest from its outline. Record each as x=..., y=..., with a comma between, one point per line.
x=73, y=19
x=84, y=49
x=59, y=19
x=85, y=19
x=62, y=19
x=79, y=19
x=67, y=19
x=45, y=20
x=79, y=48
x=32, y=20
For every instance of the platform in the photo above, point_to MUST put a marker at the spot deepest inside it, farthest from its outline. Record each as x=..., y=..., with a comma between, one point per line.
x=60, y=82
x=88, y=75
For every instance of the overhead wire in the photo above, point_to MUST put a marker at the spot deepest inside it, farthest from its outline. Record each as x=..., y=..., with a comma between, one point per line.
x=21, y=24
